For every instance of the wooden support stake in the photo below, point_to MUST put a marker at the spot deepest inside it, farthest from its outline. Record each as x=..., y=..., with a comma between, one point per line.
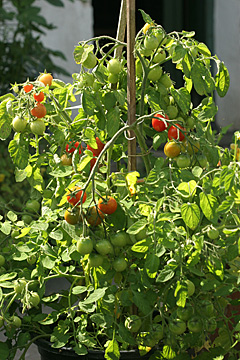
x=122, y=22
x=131, y=86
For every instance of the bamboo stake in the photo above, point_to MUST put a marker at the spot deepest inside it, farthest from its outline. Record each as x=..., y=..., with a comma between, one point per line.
x=122, y=23
x=131, y=87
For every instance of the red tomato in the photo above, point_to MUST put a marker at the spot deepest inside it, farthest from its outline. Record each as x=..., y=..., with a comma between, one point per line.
x=75, y=195
x=175, y=133
x=107, y=206
x=92, y=162
x=27, y=88
x=76, y=145
x=39, y=97
x=160, y=125
x=100, y=146
x=39, y=111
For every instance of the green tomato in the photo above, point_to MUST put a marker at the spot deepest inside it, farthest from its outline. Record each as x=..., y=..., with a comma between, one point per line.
x=2, y=260
x=89, y=79
x=141, y=235
x=159, y=34
x=95, y=260
x=85, y=245
x=190, y=287
x=206, y=308
x=157, y=332
x=121, y=238
x=133, y=323
x=114, y=66
x=159, y=57
x=90, y=61
x=212, y=233
x=146, y=52
x=162, y=89
x=211, y=324
x=19, y=124
x=155, y=73
x=19, y=286
x=31, y=259
x=27, y=219
x=47, y=194
x=120, y=264
x=172, y=111
x=14, y=234
x=38, y=127
x=183, y=161
x=150, y=42
x=104, y=247
x=202, y=160
x=32, y=206
x=113, y=78
x=166, y=80
x=177, y=326
x=185, y=313
x=190, y=122
x=16, y=321
x=34, y=299
x=195, y=324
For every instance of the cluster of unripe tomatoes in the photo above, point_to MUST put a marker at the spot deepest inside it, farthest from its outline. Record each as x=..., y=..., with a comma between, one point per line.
x=37, y=109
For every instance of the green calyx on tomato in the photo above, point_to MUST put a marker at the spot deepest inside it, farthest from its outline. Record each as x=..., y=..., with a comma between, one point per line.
x=133, y=323
x=85, y=245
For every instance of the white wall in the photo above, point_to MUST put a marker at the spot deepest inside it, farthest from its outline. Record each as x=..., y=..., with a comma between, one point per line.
x=74, y=23
x=227, y=47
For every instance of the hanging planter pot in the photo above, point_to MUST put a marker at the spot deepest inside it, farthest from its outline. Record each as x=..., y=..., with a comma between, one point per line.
x=47, y=353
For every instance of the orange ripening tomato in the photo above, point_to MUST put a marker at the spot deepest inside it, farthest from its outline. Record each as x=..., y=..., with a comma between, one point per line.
x=75, y=195
x=94, y=216
x=46, y=79
x=160, y=125
x=100, y=146
x=39, y=111
x=71, y=217
x=39, y=97
x=27, y=88
x=172, y=149
x=107, y=206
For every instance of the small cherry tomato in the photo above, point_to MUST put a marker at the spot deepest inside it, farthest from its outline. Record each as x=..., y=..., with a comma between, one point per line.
x=114, y=66
x=2, y=260
x=65, y=160
x=46, y=79
x=95, y=260
x=172, y=149
x=39, y=97
x=85, y=245
x=107, y=206
x=160, y=125
x=39, y=111
x=90, y=61
x=75, y=195
x=195, y=324
x=120, y=264
x=34, y=299
x=121, y=238
x=104, y=247
x=177, y=326
x=71, y=217
x=38, y=127
x=19, y=124
x=175, y=132
x=27, y=88
x=94, y=216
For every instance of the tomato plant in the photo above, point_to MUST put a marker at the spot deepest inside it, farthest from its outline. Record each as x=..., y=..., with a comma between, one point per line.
x=32, y=205
x=120, y=264
x=133, y=323
x=195, y=324
x=114, y=66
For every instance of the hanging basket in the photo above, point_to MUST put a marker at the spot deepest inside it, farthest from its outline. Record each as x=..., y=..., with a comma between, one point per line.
x=49, y=353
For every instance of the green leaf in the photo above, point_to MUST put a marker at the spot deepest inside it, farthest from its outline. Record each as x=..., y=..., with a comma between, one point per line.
x=203, y=49
x=151, y=265
x=62, y=171
x=6, y=227
x=118, y=218
x=79, y=290
x=178, y=53
x=146, y=17
x=88, y=102
x=222, y=80
x=113, y=121
x=18, y=151
x=188, y=189
x=191, y=215
x=9, y=276
x=47, y=262
x=56, y=2
x=187, y=65
x=95, y=296
x=208, y=204
x=112, y=351
x=208, y=111
x=141, y=246
x=5, y=121
x=4, y=350
x=165, y=275
x=202, y=79
x=137, y=227
x=183, y=99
